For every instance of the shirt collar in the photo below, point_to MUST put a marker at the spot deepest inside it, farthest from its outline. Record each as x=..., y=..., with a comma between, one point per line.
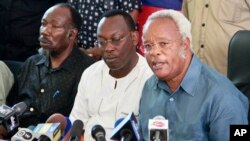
x=44, y=60
x=190, y=80
x=66, y=65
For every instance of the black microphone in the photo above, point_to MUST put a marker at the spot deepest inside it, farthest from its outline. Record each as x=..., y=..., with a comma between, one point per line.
x=9, y=116
x=20, y=108
x=98, y=133
x=126, y=135
x=127, y=129
x=43, y=138
x=76, y=131
x=158, y=129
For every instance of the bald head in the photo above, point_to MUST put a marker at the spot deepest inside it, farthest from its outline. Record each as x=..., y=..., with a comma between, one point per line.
x=59, y=29
x=74, y=16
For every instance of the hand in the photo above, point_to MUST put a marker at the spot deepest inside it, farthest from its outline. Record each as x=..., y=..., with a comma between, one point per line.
x=3, y=132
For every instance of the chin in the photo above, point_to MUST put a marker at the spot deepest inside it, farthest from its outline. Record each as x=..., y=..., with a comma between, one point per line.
x=160, y=74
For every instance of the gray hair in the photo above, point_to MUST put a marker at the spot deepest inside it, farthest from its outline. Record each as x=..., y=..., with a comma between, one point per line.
x=181, y=21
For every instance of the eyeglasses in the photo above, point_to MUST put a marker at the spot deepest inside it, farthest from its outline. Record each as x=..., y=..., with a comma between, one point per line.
x=114, y=41
x=162, y=45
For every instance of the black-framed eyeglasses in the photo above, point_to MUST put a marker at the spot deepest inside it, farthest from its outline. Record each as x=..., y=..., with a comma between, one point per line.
x=114, y=41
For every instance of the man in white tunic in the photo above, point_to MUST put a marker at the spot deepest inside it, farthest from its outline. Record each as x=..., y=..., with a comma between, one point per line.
x=111, y=88
x=6, y=82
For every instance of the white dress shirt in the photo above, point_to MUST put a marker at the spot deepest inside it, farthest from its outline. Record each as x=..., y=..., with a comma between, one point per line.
x=6, y=82
x=102, y=99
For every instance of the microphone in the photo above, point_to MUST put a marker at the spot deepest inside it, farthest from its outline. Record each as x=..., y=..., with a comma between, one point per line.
x=9, y=116
x=68, y=127
x=127, y=129
x=51, y=130
x=44, y=138
x=48, y=131
x=98, y=133
x=118, y=121
x=24, y=134
x=19, y=108
x=158, y=129
x=57, y=117
x=126, y=135
x=76, y=130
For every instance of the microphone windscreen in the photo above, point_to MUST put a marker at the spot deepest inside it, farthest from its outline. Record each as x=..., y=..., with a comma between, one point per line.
x=159, y=117
x=68, y=126
x=98, y=133
x=57, y=117
x=76, y=130
x=118, y=121
x=19, y=108
x=43, y=138
x=128, y=123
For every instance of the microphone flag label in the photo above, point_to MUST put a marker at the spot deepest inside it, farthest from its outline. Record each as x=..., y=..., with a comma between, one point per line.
x=8, y=118
x=158, y=129
x=239, y=132
x=25, y=134
x=52, y=130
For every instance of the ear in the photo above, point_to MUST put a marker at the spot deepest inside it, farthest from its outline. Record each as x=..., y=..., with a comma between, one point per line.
x=186, y=43
x=72, y=33
x=135, y=37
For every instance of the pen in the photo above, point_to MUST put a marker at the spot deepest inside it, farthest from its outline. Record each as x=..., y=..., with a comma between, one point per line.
x=56, y=93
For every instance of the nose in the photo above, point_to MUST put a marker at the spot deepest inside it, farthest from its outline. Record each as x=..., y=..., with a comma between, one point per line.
x=156, y=49
x=45, y=30
x=109, y=46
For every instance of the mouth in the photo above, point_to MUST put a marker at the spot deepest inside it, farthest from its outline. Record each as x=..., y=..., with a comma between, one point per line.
x=157, y=65
x=110, y=59
x=44, y=41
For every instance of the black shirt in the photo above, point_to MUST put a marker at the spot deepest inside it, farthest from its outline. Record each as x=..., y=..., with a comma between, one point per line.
x=48, y=90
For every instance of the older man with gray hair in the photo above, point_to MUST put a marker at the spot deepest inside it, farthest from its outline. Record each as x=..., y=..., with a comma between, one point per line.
x=199, y=103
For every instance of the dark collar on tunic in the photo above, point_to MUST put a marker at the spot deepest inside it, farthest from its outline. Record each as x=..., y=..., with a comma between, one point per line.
x=66, y=65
